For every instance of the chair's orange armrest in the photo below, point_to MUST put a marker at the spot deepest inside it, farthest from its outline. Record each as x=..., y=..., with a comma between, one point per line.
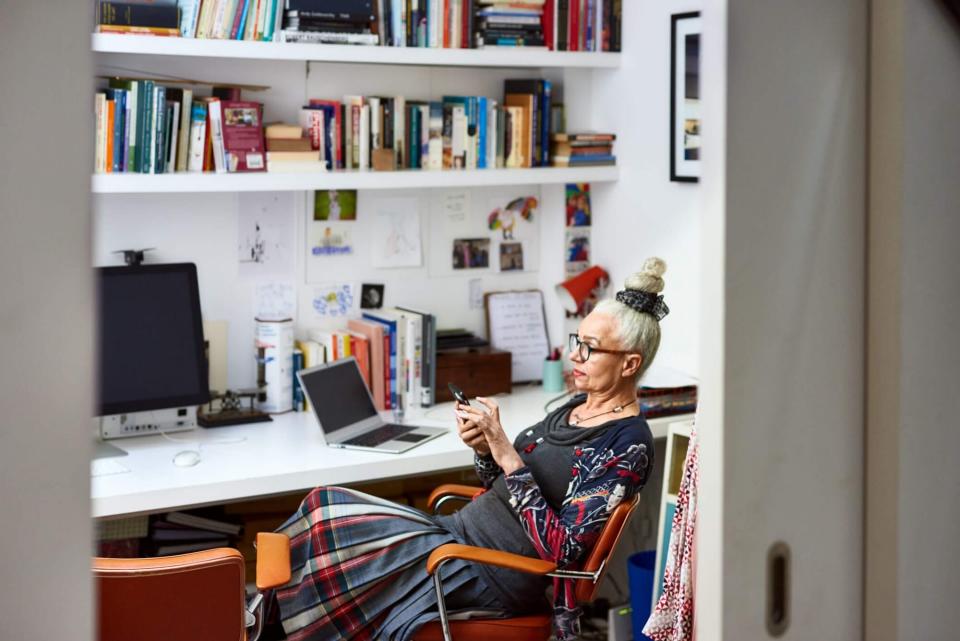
x=489, y=557
x=452, y=489
x=273, y=560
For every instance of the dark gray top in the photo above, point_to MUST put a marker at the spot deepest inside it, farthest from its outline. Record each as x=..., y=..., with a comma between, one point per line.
x=489, y=521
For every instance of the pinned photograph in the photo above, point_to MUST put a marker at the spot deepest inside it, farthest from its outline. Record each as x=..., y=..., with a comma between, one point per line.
x=511, y=257
x=578, y=204
x=471, y=253
x=577, y=253
x=371, y=296
x=333, y=204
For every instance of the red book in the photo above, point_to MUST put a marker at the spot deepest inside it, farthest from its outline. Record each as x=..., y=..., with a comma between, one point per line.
x=111, y=115
x=243, y=135
x=574, y=21
x=446, y=24
x=547, y=21
x=465, y=26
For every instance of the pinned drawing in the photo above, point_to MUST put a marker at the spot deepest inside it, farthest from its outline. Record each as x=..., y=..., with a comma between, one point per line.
x=274, y=301
x=331, y=239
x=265, y=235
x=333, y=301
x=396, y=233
x=508, y=217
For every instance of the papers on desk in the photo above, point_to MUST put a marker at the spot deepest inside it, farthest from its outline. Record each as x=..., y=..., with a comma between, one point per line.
x=106, y=467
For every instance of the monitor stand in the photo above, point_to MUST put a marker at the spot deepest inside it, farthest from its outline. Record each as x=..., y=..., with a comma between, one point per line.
x=106, y=450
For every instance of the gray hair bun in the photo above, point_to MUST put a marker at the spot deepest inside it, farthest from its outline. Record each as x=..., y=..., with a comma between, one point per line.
x=649, y=278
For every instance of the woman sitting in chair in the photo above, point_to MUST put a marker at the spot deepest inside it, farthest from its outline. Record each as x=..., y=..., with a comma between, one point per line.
x=358, y=562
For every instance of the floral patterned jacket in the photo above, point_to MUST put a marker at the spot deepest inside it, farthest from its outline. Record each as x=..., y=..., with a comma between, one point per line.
x=605, y=471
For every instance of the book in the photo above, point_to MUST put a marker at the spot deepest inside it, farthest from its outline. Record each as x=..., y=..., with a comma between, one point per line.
x=198, y=128
x=283, y=130
x=184, y=548
x=289, y=144
x=203, y=523
x=428, y=356
x=154, y=14
x=373, y=332
x=243, y=136
x=215, y=134
x=138, y=30
x=298, y=394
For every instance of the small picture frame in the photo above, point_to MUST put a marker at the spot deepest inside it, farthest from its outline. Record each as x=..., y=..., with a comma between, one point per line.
x=685, y=154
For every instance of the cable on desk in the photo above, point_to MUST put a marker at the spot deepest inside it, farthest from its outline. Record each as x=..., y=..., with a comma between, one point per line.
x=546, y=408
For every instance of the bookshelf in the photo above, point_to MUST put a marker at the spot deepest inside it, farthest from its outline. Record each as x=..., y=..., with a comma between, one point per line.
x=414, y=56
x=131, y=183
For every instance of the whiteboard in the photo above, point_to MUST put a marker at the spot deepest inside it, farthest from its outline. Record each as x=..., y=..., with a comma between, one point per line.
x=516, y=323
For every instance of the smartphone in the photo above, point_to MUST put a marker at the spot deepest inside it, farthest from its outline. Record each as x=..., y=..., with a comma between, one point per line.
x=458, y=394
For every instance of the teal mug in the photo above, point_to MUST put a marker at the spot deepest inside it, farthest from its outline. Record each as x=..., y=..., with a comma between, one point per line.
x=553, y=376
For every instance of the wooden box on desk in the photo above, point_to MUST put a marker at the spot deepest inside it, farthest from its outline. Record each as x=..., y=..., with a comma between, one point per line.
x=478, y=371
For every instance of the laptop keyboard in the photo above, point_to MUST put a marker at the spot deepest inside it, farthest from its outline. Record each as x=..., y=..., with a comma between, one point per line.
x=380, y=435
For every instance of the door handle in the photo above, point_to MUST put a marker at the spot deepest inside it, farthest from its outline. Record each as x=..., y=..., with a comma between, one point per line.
x=778, y=589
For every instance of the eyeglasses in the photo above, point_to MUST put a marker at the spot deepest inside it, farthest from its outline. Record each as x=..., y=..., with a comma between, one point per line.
x=584, y=350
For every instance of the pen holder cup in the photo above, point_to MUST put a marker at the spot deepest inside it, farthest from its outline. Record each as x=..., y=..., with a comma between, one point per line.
x=553, y=376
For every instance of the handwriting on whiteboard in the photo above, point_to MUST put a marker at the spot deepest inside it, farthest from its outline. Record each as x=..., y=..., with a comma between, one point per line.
x=517, y=325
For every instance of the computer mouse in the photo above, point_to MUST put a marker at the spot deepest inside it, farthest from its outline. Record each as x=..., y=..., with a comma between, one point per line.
x=186, y=458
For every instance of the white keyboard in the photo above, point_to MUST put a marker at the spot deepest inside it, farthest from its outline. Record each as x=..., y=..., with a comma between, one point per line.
x=106, y=467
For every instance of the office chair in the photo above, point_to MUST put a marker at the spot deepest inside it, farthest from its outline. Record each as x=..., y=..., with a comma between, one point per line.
x=535, y=627
x=189, y=597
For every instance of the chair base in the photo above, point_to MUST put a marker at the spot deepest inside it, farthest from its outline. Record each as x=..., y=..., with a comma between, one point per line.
x=526, y=628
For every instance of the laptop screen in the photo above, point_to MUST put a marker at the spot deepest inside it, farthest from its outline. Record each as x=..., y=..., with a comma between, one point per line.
x=338, y=395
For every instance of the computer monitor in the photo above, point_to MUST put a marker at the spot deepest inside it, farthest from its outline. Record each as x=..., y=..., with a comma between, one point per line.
x=152, y=367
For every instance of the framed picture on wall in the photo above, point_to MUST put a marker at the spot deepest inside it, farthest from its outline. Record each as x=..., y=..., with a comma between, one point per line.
x=685, y=32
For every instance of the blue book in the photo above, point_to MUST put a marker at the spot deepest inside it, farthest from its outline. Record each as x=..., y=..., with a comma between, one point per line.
x=149, y=126
x=482, y=132
x=389, y=327
x=297, y=390
x=546, y=105
x=243, y=22
x=160, y=130
x=117, y=96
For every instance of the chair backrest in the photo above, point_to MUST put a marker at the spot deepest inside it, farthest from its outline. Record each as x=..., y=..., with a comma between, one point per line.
x=603, y=548
x=188, y=597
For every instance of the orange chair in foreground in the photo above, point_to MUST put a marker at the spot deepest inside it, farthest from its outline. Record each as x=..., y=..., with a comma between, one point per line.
x=188, y=597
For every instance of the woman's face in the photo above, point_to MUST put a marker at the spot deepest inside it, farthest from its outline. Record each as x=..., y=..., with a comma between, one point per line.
x=602, y=372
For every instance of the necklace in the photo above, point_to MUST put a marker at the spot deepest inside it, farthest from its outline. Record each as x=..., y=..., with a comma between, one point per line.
x=616, y=410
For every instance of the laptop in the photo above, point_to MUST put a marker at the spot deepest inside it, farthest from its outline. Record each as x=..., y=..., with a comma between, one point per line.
x=346, y=413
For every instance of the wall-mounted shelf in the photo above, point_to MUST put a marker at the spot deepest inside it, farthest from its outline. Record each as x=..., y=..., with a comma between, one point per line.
x=417, y=56
x=416, y=179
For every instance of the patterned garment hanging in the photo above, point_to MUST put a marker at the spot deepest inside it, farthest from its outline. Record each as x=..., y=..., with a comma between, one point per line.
x=672, y=618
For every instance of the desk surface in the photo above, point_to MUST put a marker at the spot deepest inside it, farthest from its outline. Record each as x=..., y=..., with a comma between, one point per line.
x=286, y=455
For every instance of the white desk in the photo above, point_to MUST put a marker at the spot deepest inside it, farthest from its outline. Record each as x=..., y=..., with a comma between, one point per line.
x=286, y=455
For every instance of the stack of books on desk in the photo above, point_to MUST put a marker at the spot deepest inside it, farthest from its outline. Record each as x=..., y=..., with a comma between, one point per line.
x=181, y=532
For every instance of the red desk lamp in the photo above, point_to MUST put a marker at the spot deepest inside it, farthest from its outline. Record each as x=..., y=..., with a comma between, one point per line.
x=574, y=291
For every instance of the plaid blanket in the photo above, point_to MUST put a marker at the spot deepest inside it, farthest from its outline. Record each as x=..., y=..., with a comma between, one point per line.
x=358, y=569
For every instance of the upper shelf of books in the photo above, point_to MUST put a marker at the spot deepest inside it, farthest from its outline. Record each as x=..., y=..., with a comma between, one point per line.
x=183, y=182
x=520, y=57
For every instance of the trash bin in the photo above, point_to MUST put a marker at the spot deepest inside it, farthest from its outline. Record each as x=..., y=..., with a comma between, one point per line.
x=640, y=574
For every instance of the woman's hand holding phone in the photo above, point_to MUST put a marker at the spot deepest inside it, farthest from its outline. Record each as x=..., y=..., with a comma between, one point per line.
x=470, y=432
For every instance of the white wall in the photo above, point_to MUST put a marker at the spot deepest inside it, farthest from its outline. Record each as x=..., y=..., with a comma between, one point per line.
x=913, y=514
x=782, y=316
x=642, y=215
x=46, y=321
x=645, y=214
